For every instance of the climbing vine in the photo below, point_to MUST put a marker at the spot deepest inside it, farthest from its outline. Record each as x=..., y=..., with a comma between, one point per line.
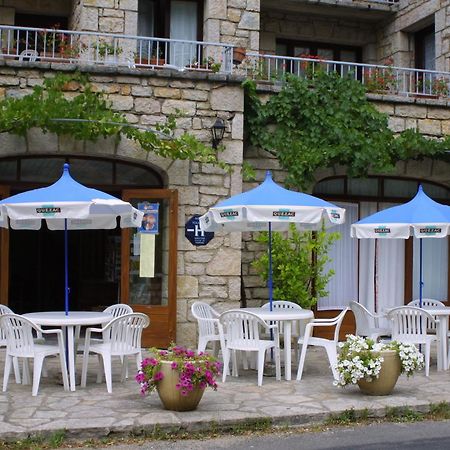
x=326, y=120
x=68, y=105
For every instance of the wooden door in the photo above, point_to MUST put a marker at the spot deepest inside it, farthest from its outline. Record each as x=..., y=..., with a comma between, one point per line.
x=4, y=255
x=153, y=295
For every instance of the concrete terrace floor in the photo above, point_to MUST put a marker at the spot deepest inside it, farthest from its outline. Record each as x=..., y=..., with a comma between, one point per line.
x=92, y=412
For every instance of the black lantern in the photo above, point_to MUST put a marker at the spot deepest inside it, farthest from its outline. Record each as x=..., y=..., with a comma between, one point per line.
x=217, y=132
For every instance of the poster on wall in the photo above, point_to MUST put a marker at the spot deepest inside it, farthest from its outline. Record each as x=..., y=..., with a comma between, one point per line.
x=150, y=221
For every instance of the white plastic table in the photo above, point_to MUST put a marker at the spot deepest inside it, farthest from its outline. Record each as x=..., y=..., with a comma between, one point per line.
x=68, y=324
x=288, y=316
x=441, y=315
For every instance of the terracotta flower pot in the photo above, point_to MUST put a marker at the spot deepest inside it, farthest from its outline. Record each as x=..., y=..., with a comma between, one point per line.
x=390, y=371
x=238, y=55
x=171, y=397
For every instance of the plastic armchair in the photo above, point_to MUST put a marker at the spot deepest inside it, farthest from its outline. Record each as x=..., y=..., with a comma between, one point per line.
x=21, y=344
x=208, y=326
x=123, y=338
x=330, y=345
x=243, y=334
x=367, y=322
x=28, y=55
x=431, y=327
x=409, y=326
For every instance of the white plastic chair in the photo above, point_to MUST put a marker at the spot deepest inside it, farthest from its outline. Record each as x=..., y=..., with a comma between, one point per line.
x=431, y=327
x=409, y=325
x=28, y=55
x=330, y=345
x=208, y=326
x=367, y=322
x=243, y=334
x=122, y=337
x=21, y=344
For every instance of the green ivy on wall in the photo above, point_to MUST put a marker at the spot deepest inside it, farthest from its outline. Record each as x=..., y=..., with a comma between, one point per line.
x=327, y=120
x=87, y=115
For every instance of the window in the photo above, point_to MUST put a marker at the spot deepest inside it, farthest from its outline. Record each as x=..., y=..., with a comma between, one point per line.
x=425, y=49
x=174, y=19
x=324, y=51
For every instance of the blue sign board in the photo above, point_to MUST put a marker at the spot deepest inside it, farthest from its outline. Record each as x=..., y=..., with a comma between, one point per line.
x=194, y=232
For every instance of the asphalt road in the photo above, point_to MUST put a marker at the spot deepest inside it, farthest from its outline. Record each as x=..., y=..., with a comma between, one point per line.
x=392, y=436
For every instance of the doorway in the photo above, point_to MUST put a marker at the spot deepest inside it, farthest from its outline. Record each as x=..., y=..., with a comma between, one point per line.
x=32, y=262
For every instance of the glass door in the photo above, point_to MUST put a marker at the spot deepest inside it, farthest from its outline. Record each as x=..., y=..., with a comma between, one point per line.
x=149, y=263
x=4, y=255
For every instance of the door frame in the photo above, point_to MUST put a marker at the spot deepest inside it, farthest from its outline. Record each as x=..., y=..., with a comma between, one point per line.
x=4, y=255
x=163, y=319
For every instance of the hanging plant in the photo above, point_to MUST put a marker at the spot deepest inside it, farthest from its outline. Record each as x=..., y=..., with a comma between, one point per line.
x=88, y=116
x=327, y=120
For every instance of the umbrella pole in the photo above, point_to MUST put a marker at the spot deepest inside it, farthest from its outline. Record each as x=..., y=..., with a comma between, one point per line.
x=66, y=271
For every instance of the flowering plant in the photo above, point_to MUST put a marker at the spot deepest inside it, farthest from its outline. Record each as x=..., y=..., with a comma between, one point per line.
x=380, y=79
x=194, y=369
x=360, y=358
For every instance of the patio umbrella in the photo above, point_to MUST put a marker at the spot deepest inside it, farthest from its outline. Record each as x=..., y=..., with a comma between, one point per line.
x=270, y=206
x=67, y=205
x=421, y=217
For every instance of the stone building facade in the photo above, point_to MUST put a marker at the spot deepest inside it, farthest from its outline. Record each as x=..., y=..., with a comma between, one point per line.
x=374, y=30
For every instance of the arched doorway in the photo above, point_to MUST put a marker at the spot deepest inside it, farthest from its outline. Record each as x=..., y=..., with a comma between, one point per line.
x=393, y=279
x=104, y=265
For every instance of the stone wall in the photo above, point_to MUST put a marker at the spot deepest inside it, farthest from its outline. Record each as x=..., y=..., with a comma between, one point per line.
x=430, y=117
x=396, y=39
x=146, y=97
x=233, y=22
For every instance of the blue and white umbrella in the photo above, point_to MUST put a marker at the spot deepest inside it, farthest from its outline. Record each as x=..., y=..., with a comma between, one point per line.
x=273, y=208
x=67, y=205
x=421, y=217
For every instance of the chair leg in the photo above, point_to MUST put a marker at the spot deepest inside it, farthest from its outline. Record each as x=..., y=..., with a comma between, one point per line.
x=84, y=368
x=261, y=359
x=124, y=372
x=26, y=371
x=302, y=361
x=101, y=368
x=427, y=358
x=332, y=357
x=37, y=369
x=216, y=348
x=16, y=370
x=235, y=371
x=7, y=370
x=202, y=343
x=65, y=376
x=226, y=362
x=277, y=364
x=107, y=369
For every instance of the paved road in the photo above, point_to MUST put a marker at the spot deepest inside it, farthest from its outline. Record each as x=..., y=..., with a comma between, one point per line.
x=397, y=436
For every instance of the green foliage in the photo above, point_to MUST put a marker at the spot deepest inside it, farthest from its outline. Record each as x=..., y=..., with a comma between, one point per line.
x=298, y=263
x=326, y=120
x=72, y=97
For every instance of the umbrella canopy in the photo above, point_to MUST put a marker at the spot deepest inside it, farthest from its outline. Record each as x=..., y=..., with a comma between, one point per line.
x=271, y=207
x=271, y=203
x=421, y=217
x=67, y=205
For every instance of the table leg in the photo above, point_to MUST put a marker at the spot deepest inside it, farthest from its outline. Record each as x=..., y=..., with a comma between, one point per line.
x=287, y=349
x=71, y=356
x=443, y=327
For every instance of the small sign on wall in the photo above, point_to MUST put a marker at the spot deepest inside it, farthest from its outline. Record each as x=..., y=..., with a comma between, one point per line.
x=150, y=221
x=194, y=232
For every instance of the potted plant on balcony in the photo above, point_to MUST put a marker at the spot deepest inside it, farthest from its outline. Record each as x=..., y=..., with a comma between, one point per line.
x=179, y=375
x=108, y=51
x=156, y=58
x=375, y=367
x=380, y=79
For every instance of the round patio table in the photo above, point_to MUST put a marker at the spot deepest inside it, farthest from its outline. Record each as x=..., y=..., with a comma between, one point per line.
x=68, y=324
x=441, y=315
x=287, y=316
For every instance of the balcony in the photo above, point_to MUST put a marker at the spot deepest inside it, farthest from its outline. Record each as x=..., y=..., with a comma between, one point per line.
x=87, y=48
x=379, y=79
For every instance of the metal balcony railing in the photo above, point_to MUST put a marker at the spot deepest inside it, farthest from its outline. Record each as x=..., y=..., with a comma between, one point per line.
x=54, y=45
x=383, y=79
